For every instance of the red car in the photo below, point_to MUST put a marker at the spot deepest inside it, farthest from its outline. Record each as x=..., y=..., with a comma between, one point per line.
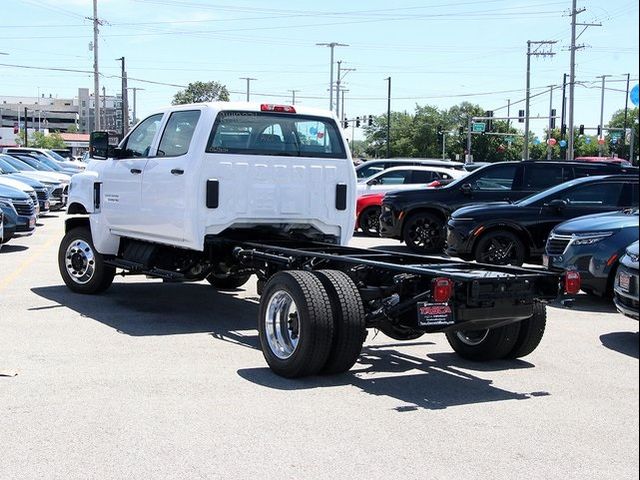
x=368, y=213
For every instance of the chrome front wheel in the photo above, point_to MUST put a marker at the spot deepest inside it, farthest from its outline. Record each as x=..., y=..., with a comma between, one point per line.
x=80, y=262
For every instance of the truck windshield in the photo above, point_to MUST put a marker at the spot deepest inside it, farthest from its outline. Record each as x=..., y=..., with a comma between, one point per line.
x=280, y=134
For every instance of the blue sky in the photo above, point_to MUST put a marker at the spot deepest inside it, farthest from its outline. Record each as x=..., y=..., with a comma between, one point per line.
x=437, y=52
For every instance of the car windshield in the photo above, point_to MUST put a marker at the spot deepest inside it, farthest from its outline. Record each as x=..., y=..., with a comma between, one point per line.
x=20, y=165
x=49, y=163
x=6, y=167
x=549, y=193
x=58, y=157
x=35, y=163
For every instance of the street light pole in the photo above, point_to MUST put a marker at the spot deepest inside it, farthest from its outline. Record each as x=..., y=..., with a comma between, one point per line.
x=135, y=90
x=331, y=45
x=388, y=79
x=248, y=79
x=96, y=75
x=601, y=145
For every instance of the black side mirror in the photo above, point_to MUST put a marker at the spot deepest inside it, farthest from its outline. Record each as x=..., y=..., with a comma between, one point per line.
x=557, y=203
x=466, y=188
x=102, y=144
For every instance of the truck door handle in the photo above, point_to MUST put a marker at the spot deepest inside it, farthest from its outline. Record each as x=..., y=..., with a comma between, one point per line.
x=177, y=171
x=136, y=171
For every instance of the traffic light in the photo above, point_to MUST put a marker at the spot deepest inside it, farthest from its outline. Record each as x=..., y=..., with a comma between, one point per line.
x=370, y=120
x=345, y=123
x=357, y=121
x=599, y=130
x=581, y=130
x=563, y=130
x=553, y=118
x=489, y=114
x=520, y=116
x=461, y=130
x=440, y=132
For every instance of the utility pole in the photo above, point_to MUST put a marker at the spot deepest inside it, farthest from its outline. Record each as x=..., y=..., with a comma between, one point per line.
x=508, y=113
x=96, y=74
x=26, y=143
x=343, y=90
x=135, y=90
x=331, y=45
x=103, y=122
x=293, y=96
x=249, y=80
x=601, y=128
x=535, y=53
x=342, y=72
x=626, y=111
x=468, y=157
x=388, y=79
x=550, y=127
x=572, y=70
x=125, y=98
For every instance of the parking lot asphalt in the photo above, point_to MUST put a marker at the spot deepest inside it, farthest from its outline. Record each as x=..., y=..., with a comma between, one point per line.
x=162, y=380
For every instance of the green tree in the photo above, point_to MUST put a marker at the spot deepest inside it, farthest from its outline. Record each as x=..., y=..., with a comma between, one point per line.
x=621, y=148
x=40, y=140
x=197, y=92
x=73, y=128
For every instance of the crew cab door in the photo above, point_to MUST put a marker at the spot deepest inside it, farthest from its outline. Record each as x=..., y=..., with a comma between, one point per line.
x=166, y=177
x=122, y=178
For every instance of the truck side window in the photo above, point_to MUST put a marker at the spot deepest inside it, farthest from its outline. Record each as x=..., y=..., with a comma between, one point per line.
x=177, y=135
x=139, y=141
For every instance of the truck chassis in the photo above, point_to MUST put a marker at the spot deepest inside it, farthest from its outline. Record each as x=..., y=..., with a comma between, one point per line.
x=318, y=300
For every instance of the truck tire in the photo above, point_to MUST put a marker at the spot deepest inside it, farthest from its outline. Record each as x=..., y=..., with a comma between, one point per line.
x=221, y=281
x=500, y=247
x=295, y=325
x=424, y=233
x=483, y=345
x=531, y=332
x=82, y=268
x=349, y=329
x=369, y=221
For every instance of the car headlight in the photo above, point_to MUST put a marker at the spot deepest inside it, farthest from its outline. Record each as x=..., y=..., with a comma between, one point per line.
x=591, y=238
x=6, y=202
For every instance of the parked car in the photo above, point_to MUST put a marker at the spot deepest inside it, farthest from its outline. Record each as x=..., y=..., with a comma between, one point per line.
x=472, y=166
x=9, y=221
x=65, y=163
x=42, y=191
x=419, y=217
x=371, y=167
x=57, y=183
x=592, y=245
x=64, y=153
x=503, y=233
x=407, y=177
x=625, y=286
x=24, y=207
x=23, y=187
x=368, y=213
x=44, y=163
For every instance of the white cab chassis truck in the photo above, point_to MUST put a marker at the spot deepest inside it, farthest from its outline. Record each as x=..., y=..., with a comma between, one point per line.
x=223, y=191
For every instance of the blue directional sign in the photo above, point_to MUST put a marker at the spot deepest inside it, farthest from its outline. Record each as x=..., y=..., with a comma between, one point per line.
x=536, y=141
x=563, y=143
x=633, y=95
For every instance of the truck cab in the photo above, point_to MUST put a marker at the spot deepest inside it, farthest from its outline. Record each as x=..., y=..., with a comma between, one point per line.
x=190, y=172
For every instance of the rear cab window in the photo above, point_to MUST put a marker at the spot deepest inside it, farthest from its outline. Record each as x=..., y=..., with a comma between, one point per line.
x=279, y=134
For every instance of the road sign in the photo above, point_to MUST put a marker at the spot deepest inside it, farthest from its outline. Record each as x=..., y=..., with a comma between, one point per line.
x=563, y=143
x=633, y=95
x=616, y=135
x=587, y=140
x=478, y=127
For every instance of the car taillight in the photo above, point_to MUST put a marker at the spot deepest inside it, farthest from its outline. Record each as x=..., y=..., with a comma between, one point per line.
x=571, y=282
x=268, y=107
x=441, y=289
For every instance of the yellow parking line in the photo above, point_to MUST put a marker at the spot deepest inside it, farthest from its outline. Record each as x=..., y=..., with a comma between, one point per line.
x=6, y=281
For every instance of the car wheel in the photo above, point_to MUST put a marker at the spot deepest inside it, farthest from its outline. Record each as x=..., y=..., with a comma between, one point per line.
x=424, y=233
x=369, y=221
x=500, y=247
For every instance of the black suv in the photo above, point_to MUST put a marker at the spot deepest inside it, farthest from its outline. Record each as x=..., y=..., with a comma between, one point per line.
x=510, y=233
x=419, y=217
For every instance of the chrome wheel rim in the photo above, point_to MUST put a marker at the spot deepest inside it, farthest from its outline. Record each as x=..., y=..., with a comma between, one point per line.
x=472, y=338
x=80, y=261
x=282, y=325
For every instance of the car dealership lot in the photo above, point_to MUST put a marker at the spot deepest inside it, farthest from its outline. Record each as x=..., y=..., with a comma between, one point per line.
x=166, y=380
